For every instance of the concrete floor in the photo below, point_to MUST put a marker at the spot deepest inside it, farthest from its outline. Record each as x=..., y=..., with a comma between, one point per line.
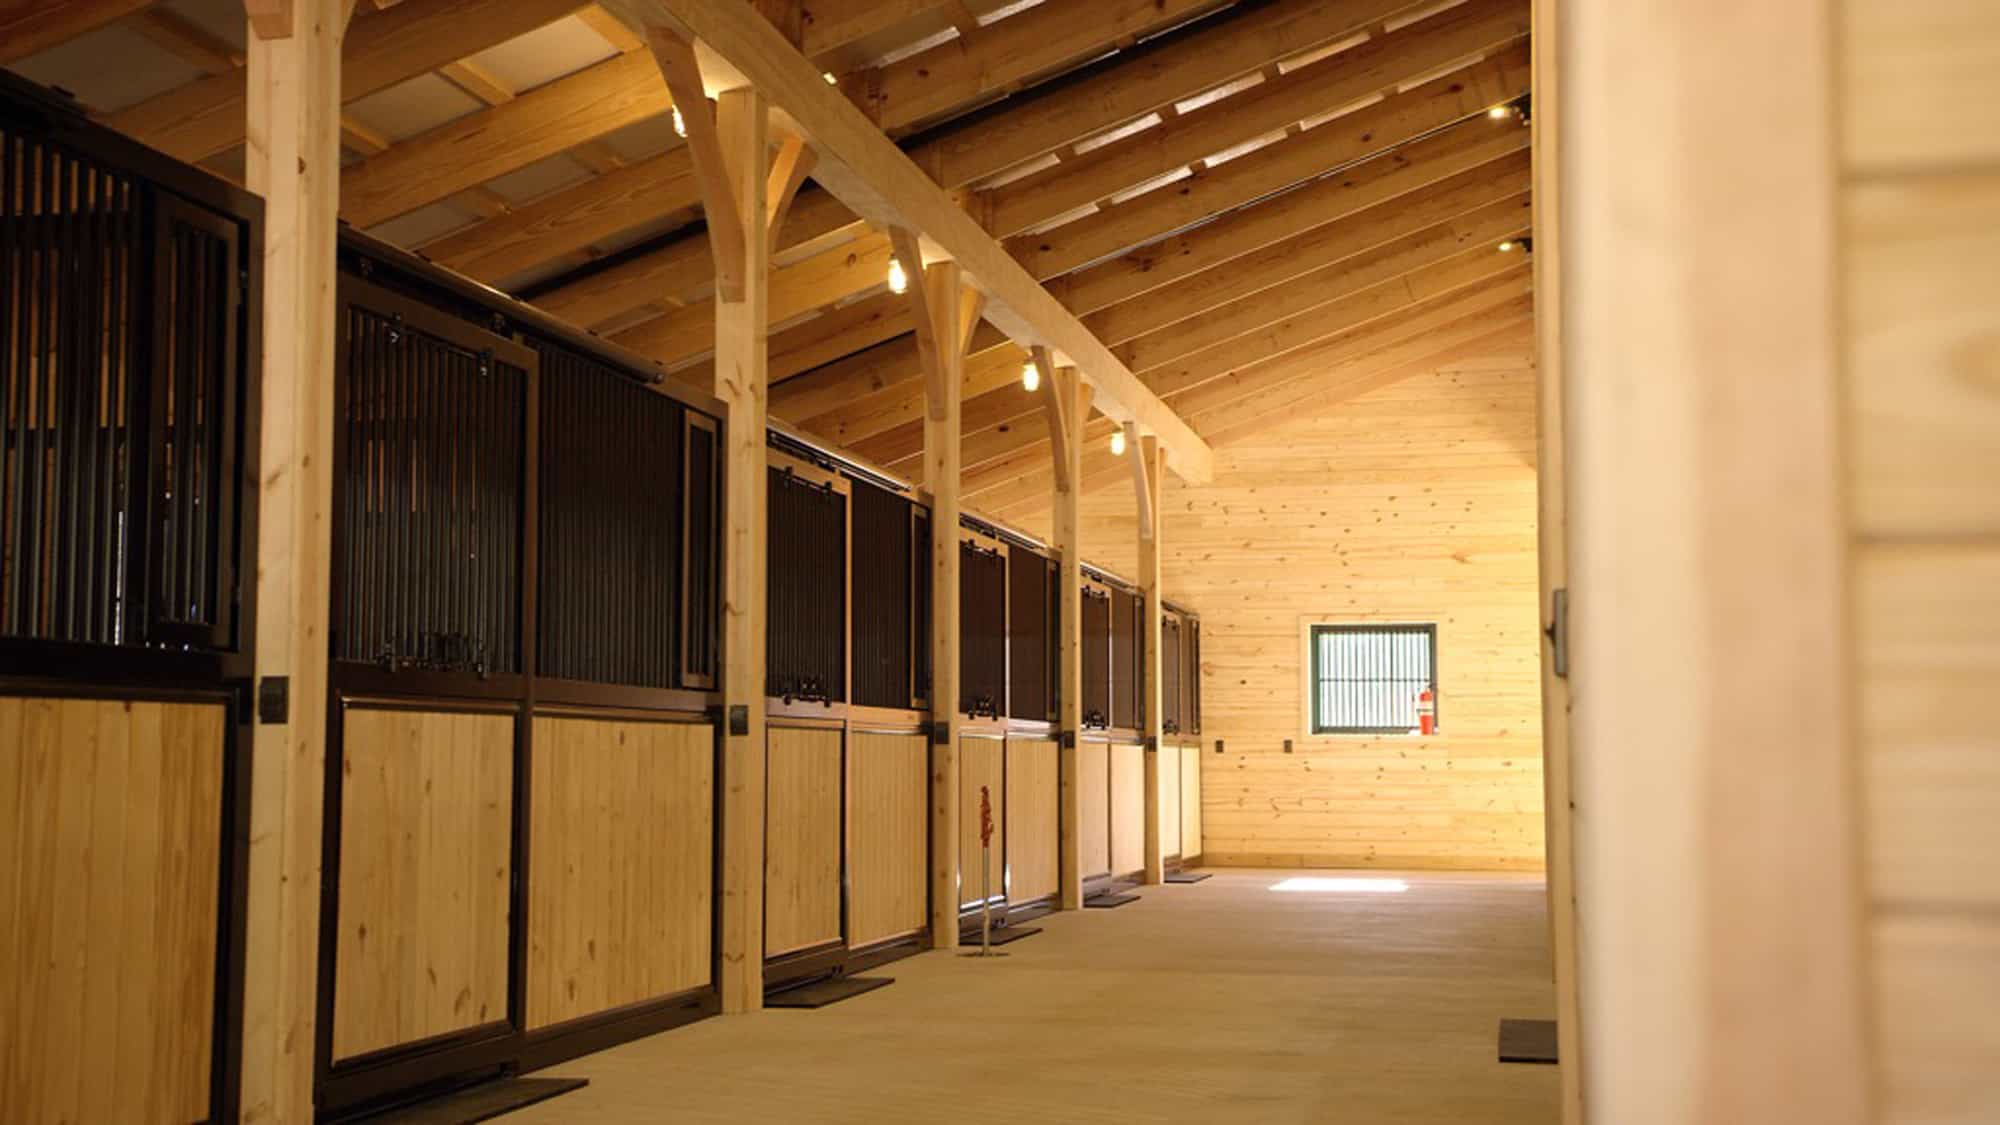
x=1223, y=1001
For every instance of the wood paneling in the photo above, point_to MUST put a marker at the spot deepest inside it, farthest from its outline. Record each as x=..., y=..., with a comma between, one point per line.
x=1093, y=786
x=1128, y=808
x=1190, y=802
x=621, y=864
x=1170, y=801
x=1412, y=502
x=888, y=803
x=1920, y=294
x=981, y=763
x=1031, y=818
x=110, y=830
x=426, y=867
x=801, y=839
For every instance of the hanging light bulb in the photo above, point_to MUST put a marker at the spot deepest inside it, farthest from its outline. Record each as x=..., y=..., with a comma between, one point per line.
x=1031, y=377
x=830, y=79
x=1118, y=443
x=899, y=281
x=1500, y=111
x=1508, y=246
x=680, y=125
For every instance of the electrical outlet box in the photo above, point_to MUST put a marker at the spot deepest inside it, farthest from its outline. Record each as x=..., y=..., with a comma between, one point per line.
x=1288, y=746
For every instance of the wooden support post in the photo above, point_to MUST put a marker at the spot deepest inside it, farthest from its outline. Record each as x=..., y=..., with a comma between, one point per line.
x=1148, y=467
x=1068, y=406
x=939, y=308
x=741, y=132
x=293, y=161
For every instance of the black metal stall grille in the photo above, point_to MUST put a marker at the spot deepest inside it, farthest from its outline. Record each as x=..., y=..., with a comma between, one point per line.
x=1366, y=678
x=1096, y=657
x=1127, y=658
x=982, y=624
x=432, y=494
x=884, y=579
x=609, y=504
x=1170, y=675
x=806, y=624
x=701, y=539
x=1193, y=689
x=122, y=381
x=1031, y=635
x=920, y=568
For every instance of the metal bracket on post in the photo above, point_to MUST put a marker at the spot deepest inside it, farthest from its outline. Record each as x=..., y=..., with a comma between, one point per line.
x=941, y=733
x=739, y=719
x=1066, y=739
x=1558, y=631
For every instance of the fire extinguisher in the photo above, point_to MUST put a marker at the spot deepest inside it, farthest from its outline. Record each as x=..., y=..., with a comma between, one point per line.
x=1427, y=712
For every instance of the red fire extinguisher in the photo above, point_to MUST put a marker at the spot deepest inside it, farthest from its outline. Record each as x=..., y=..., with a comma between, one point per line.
x=1427, y=712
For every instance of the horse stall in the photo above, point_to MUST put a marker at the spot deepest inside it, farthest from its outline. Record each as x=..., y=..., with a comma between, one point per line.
x=130, y=296
x=847, y=767
x=1125, y=742
x=520, y=828
x=982, y=710
x=1180, y=747
x=1033, y=764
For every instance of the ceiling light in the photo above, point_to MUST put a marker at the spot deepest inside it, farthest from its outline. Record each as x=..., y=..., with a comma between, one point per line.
x=1508, y=246
x=1031, y=377
x=1500, y=111
x=680, y=126
x=899, y=279
x=830, y=79
x=1118, y=443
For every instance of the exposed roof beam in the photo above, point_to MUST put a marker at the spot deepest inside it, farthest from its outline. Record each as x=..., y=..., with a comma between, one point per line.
x=867, y=172
x=1366, y=206
x=832, y=24
x=491, y=142
x=1327, y=84
x=559, y=235
x=1354, y=136
x=34, y=26
x=1342, y=383
x=816, y=221
x=206, y=117
x=1045, y=39
x=1440, y=322
x=1210, y=54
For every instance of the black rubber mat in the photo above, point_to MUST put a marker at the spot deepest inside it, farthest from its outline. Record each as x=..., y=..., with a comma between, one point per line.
x=1109, y=901
x=1527, y=1041
x=1187, y=876
x=1002, y=935
x=483, y=1102
x=820, y=993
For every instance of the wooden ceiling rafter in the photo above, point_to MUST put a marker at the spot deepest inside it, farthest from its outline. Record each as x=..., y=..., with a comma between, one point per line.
x=33, y=26
x=866, y=171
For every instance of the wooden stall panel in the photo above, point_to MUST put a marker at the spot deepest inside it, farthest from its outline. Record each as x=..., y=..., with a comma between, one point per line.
x=426, y=846
x=1093, y=791
x=888, y=805
x=1170, y=801
x=801, y=839
x=980, y=762
x=1033, y=782
x=1190, y=802
x=1128, y=808
x=621, y=864
x=109, y=849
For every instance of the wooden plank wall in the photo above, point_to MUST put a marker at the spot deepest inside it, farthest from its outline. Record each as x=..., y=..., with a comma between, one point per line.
x=801, y=839
x=1191, y=840
x=888, y=826
x=1128, y=808
x=980, y=763
x=1414, y=502
x=1170, y=801
x=621, y=841
x=110, y=837
x=426, y=867
x=1920, y=202
x=1031, y=818
x=1093, y=772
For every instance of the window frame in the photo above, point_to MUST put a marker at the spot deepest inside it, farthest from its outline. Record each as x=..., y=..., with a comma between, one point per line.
x=1311, y=630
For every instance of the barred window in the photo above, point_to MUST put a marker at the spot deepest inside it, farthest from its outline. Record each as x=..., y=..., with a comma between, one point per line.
x=1366, y=678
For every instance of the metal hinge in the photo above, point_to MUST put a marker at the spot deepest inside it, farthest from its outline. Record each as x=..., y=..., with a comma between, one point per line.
x=1558, y=630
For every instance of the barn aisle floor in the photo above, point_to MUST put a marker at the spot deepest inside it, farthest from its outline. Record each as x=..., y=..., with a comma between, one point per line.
x=1223, y=1001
